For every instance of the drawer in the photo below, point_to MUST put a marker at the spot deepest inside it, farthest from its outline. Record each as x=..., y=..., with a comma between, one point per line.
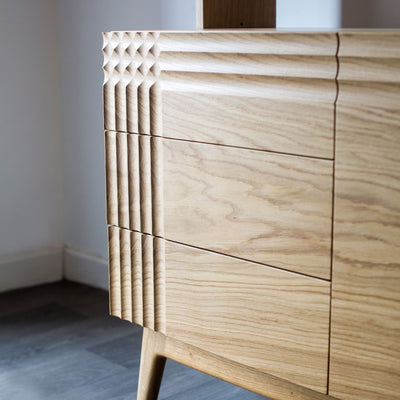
x=273, y=209
x=272, y=320
x=282, y=115
x=268, y=90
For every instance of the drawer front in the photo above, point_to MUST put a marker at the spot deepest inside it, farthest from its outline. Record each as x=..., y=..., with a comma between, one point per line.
x=279, y=114
x=271, y=320
x=219, y=303
x=270, y=208
x=267, y=90
x=263, y=207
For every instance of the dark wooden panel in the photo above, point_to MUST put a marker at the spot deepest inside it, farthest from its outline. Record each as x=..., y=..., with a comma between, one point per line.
x=236, y=14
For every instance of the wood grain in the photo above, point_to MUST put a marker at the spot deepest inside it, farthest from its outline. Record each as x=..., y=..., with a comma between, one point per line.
x=148, y=281
x=159, y=345
x=133, y=157
x=114, y=262
x=219, y=303
x=254, y=122
x=157, y=185
x=152, y=365
x=137, y=282
x=123, y=181
x=137, y=278
x=273, y=209
x=246, y=41
x=159, y=285
x=250, y=100
x=365, y=345
x=126, y=274
x=146, y=210
x=130, y=71
x=235, y=14
x=111, y=177
x=279, y=87
x=237, y=373
x=134, y=182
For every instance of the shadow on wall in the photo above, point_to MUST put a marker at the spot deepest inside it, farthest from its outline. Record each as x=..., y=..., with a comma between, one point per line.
x=371, y=14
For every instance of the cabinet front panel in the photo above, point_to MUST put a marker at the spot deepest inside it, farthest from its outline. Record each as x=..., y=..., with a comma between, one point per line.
x=269, y=319
x=269, y=208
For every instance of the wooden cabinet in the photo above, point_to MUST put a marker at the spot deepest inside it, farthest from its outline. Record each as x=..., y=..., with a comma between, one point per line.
x=253, y=192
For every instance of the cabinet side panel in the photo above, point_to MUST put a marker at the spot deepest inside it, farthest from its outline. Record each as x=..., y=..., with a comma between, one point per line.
x=365, y=336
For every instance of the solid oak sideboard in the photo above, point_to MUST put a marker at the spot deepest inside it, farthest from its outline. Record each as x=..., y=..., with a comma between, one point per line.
x=253, y=204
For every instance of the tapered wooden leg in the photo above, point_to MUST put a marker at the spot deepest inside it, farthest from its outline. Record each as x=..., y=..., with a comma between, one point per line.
x=152, y=365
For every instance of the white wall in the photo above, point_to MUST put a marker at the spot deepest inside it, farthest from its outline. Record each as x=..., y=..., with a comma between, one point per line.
x=178, y=14
x=316, y=14
x=81, y=23
x=30, y=169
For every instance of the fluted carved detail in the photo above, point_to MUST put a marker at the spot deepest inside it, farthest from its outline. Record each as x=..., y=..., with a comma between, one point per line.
x=131, y=71
x=134, y=182
x=135, y=202
x=132, y=103
x=137, y=278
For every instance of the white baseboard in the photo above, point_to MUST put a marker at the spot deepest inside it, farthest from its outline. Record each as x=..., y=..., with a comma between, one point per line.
x=31, y=268
x=83, y=268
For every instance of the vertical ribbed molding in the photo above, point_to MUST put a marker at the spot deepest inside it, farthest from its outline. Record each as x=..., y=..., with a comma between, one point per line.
x=150, y=167
x=134, y=164
x=114, y=271
x=137, y=277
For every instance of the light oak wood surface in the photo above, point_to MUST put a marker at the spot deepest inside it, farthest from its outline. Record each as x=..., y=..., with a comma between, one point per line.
x=152, y=364
x=261, y=306
x=271, y=320
x=137, y=261
x=271, y=208
x=224, y=368
x=267, y=128
x=365, y=339
x=258, y=206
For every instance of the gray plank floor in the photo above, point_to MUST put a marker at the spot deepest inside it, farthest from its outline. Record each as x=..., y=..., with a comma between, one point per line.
x=57, y=342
